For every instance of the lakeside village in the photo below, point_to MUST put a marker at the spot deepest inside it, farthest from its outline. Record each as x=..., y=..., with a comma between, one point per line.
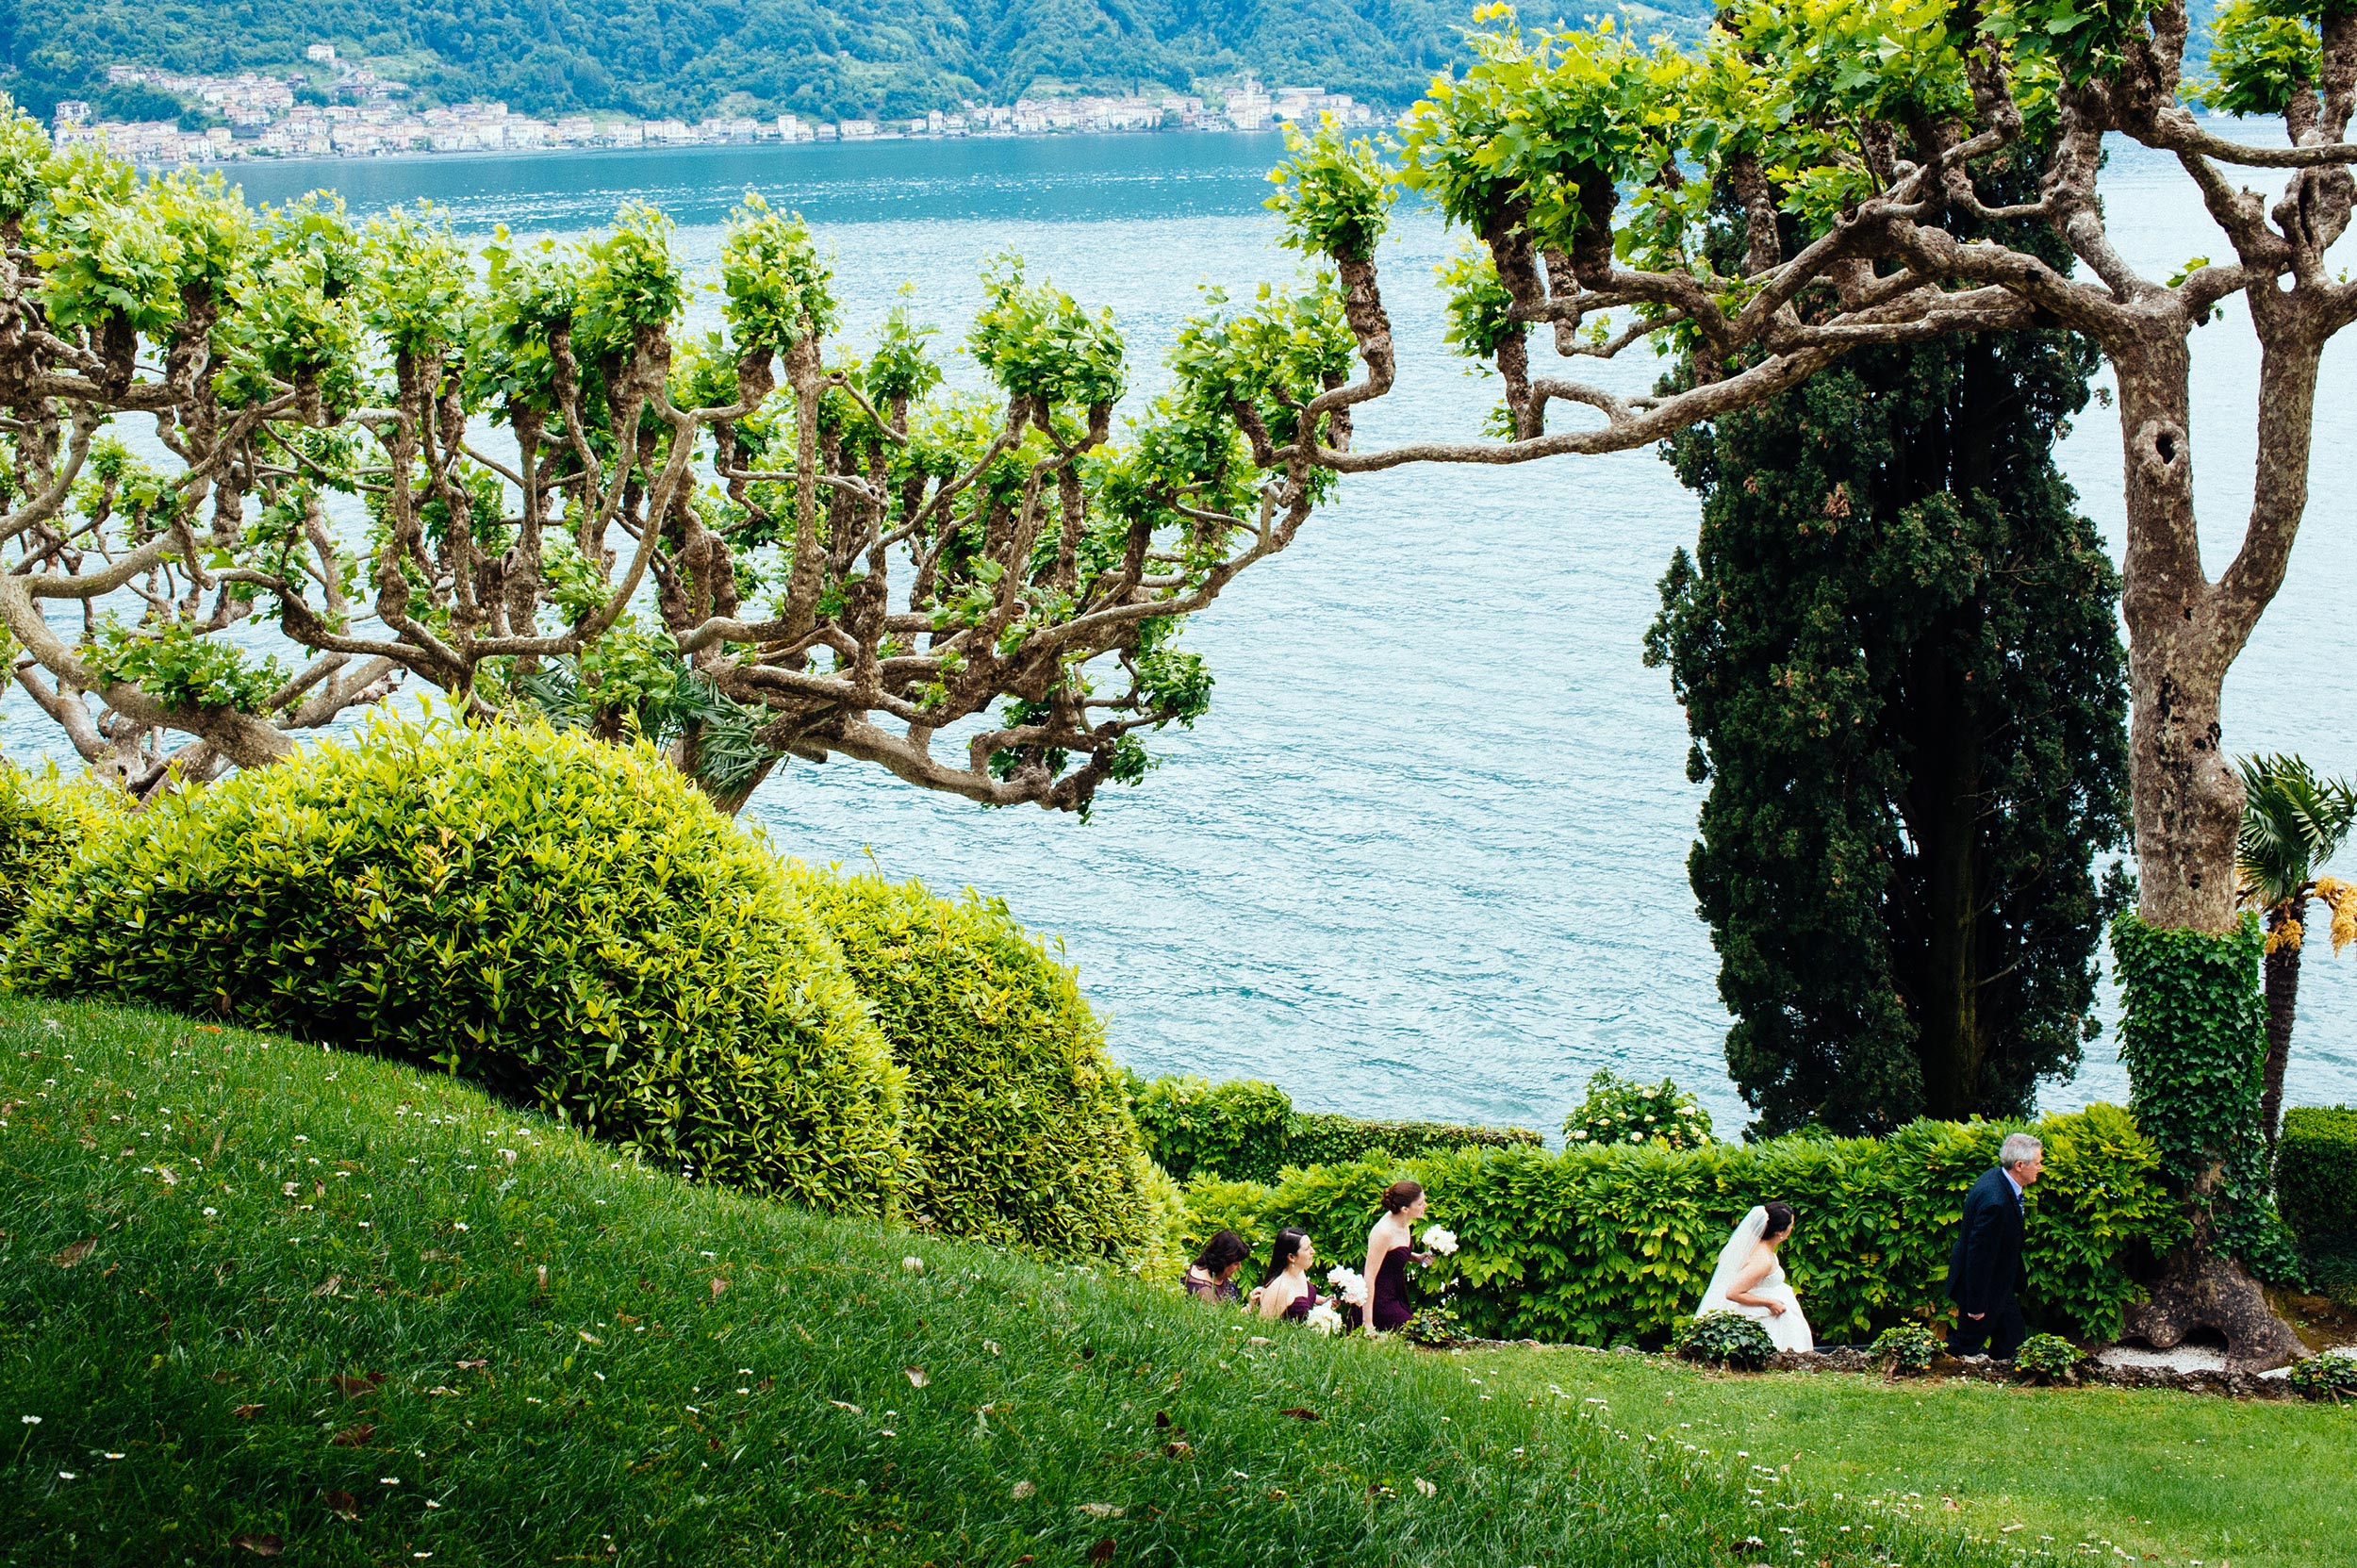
x=366, y=116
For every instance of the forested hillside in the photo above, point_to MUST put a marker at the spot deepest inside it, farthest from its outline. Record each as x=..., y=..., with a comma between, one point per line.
x=823, y=57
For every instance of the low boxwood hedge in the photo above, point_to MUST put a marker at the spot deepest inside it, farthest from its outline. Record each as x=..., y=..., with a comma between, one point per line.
x=1609, y=1245
x=565, y=920
x=2316, y=1173
x=1247, y=1130
x=1018, y=1120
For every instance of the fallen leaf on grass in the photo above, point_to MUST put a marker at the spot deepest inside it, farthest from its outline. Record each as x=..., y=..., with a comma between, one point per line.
x=335, y=1282
x=1103, y=1510
x=841, y=1406
x=75, y=1253
x=472, y=1365
x=990, y=1345
x=343, y=1505
x=354, y=1437
x=1426, y=1487
x=1298, y=1413
x=1177, y=1450
x=246, y=1412
x=260, y=1546
x=1101, y=1553
x=1023, y=1490
x=916, y=1375
x=359, y=1387
x=718, y=1286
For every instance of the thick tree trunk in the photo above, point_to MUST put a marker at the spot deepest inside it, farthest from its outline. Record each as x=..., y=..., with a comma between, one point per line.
x=2186, y=797
x=2282, y=988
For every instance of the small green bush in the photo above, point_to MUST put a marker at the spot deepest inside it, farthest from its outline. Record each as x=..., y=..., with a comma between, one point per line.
x=1724, y=1339
x=2331, y=1376
x=2315, y=1172
x=1623, y=1111
x=1433, y=1326
x=1608, y=1246
x=43, y=821
x=1906, y=1347
x=1018, y=1119
x=2048, y=1357
x=1247, y=1130
x=565, y=920
x=1236, y=1128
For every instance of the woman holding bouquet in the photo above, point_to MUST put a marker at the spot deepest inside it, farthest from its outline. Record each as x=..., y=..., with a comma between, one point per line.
x=1390, y=1245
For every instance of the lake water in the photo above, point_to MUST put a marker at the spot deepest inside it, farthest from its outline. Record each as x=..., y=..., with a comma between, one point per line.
x=1426, y=856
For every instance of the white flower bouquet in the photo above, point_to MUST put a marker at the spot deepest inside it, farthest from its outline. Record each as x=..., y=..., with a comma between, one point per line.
x=1353, y=1283
x=1440, y=1239
x=1324, y=1318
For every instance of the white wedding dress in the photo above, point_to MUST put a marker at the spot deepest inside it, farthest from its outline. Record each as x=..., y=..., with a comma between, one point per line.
x=1787, y=1329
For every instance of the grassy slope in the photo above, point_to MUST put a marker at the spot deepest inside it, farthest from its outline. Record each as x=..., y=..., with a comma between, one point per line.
x=706, y=1378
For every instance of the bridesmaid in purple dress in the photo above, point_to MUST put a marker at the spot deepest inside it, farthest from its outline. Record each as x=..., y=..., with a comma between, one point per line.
x=1390, y=1245
x=1287, y=1291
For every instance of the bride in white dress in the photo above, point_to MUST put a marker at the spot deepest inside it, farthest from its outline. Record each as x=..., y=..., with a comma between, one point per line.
x=1750, y=1279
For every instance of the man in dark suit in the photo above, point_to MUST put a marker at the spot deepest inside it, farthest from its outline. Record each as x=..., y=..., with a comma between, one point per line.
x=1985, y=1273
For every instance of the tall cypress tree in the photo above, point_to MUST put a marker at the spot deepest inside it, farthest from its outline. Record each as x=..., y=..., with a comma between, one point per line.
x=1898, y=650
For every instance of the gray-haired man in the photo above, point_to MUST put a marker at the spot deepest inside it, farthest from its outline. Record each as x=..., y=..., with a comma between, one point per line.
x=1985, y=1273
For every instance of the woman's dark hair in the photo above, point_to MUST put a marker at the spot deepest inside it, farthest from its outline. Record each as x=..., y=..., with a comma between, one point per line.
x=1400, y=1194
x=1779, y=1220
x=1222, y=1252
x=1290, y=1240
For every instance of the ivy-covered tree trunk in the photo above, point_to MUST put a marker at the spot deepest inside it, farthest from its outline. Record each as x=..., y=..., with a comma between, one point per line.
x=1897, y=653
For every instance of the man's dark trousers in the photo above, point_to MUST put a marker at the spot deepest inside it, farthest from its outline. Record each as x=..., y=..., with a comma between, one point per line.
x=1985, y=1271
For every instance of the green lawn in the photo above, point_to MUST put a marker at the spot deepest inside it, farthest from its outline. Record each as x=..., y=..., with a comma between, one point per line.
x=362, y=1314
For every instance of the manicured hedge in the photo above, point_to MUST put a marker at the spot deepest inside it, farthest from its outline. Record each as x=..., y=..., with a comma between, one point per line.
x=1018, y=1120
x=43, y=820
x=2315, y=1172
x=563, y=919
x=1608, y=1246
x=1247, y=1131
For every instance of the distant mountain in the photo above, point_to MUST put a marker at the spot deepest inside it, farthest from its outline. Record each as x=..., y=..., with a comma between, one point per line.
x=826, y=58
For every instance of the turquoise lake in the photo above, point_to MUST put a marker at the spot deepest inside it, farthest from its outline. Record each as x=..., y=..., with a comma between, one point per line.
x=1426, y=856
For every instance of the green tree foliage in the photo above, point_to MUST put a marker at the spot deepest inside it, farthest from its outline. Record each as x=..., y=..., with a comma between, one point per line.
x=2316, y=1173
x=1598, y=1245
x=1019, y=1122
x=568, y=922
x=1897, y=648
x=1248, y=1131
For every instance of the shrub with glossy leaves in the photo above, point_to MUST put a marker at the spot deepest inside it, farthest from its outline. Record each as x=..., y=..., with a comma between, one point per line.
x=567, y=921
x=1906, y=1347
x=2316, y=1173
x=1724, y=1339
x=1017, y=1119
x=2331, y=1376
x=2046, y=1359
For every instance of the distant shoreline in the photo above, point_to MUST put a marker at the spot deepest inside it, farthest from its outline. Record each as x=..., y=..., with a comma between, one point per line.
x=506, y=155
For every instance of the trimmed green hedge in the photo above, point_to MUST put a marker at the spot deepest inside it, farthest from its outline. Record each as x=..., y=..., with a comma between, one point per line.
x=1247, y=1130
x=1610, y=1246
x=565, y=920
x=2315, y=1172
x=43, y=823
x=1018, y=1120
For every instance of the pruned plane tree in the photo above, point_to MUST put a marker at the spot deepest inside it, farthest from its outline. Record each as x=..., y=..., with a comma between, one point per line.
x=516, y=477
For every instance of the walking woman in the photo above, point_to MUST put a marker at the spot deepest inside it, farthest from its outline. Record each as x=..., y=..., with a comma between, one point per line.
x=1287, y=1291
x=1390, y=1245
